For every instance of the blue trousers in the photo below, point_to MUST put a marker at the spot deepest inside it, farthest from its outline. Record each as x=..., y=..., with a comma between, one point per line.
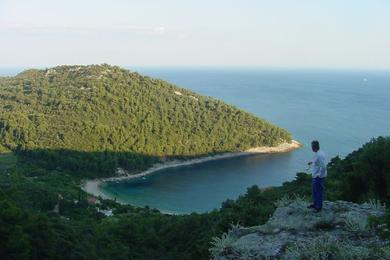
x=318, y=186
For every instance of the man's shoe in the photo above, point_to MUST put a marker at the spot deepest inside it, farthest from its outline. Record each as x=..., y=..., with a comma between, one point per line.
x=317, y=210
x=311, y=206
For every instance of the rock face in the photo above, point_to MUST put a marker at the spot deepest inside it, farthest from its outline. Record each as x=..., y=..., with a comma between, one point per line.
x=340, y=230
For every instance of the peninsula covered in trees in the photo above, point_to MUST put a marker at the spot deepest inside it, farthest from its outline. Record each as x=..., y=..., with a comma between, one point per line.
x=63, y=124
x=95, y=118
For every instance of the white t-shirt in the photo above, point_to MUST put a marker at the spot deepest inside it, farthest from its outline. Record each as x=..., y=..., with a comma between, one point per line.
x=319, y=165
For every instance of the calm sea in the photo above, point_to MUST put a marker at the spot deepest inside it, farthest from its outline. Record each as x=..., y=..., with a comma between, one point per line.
x=341, y=109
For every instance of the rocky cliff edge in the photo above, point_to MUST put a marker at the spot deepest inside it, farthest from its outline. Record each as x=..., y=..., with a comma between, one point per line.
x=340, y=231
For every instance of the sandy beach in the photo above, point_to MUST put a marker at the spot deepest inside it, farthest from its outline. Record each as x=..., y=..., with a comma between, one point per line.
x=93, y=186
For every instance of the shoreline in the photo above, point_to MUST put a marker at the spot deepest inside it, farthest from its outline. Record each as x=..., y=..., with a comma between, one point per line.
x=92, y=186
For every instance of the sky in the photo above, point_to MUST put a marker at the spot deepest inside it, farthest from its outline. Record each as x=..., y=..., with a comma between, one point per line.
x=351, y=34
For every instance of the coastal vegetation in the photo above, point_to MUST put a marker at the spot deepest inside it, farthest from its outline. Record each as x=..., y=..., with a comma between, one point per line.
x=60, y=125
x=33, y=228
x=94, y=119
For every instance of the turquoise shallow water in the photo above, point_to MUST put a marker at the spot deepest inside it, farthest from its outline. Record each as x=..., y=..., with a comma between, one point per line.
x=342, y=109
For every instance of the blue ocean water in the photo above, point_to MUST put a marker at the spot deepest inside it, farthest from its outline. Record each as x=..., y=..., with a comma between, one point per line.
x=342, y=109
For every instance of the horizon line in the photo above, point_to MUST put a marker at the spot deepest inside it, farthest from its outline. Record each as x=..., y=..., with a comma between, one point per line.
x=187, y=66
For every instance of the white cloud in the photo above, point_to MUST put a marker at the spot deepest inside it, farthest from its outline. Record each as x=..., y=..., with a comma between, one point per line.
x=182, y=36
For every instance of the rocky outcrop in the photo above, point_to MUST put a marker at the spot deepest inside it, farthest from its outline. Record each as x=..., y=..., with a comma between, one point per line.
x=340, y=230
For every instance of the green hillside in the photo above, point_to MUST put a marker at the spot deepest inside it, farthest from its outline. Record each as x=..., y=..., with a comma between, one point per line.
x=31, y=228
x=129, y=120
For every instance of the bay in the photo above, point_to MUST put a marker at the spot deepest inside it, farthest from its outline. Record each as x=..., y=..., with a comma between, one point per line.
x=342, y=109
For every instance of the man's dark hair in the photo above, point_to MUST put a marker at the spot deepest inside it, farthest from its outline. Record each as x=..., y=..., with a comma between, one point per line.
x=315, y=145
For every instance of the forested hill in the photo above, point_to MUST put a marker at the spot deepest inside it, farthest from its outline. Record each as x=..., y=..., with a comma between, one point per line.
x=102, y=108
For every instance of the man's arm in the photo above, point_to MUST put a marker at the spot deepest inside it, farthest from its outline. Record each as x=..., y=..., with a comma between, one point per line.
x=317, y=167
x=311, y=162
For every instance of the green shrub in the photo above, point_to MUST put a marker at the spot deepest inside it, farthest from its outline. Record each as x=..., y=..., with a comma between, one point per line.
x=324, y=248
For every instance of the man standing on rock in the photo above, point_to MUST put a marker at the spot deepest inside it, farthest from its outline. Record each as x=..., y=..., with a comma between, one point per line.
x=318, y=176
